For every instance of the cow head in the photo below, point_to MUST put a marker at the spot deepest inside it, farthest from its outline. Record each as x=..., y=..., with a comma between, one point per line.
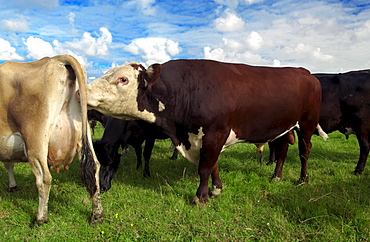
x=116, y=93
x=109, y=159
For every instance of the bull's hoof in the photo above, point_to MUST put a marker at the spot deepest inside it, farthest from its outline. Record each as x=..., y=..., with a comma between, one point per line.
x=358, y=172
x=96, y=218
x=303, y=180
x=38, y=222
x=215, y=192
x=146, y=174
x=275, y=179
x=198, y=201
x=14, y=189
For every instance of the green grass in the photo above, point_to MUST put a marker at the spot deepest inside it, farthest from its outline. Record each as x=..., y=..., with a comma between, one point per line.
x=334, y=206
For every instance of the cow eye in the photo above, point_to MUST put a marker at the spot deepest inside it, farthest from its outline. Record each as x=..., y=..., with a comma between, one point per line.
x=122, y=80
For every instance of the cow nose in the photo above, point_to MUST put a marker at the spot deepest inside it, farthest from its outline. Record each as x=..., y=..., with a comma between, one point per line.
x=78, y=97
x=103, y=189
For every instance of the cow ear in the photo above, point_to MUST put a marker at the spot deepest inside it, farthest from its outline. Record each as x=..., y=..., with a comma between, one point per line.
x=152, y=74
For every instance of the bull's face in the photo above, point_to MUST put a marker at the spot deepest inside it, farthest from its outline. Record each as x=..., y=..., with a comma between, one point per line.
x=116, y=92
x=109, y=161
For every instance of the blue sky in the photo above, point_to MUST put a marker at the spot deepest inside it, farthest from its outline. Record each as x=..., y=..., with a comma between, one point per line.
x=322, y=36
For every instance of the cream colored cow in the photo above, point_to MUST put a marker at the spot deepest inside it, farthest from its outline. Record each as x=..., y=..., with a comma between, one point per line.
x=43, y=123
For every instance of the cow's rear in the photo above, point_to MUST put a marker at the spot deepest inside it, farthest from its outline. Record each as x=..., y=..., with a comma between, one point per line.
x=43, y=123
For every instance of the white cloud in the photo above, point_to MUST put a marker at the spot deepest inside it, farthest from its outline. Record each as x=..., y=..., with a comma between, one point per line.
x=215, y=54
x=15, y=25
x=254, y=40
x=311, y=51
x=7, y=52
x=229, y=23
x=38, y=48
x=93, y=46
x=154, y=50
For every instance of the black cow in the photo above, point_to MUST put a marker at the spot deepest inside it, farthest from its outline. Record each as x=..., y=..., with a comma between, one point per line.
x=120, y=133
x=204, y=106
x=346, y=107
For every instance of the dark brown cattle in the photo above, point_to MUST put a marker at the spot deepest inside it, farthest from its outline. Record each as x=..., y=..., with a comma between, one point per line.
x=205, y=106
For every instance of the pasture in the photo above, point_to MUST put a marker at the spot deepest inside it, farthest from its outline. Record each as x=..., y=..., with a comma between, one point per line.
x=334, y=206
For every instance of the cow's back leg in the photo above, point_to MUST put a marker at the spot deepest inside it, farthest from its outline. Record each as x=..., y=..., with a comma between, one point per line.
x=138, y=152
x=278, y=150
x=43, y=181
x=12, y=184
x=304, y=146
x=211, y=148
x=363, y=141
x=148, y=148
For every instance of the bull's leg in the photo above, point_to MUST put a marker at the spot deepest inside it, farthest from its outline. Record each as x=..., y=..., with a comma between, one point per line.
x=43, y=180
x=138, y=152
x=216, y=182
x=148, y=148
x=279, y=148
x=174, y=154
x=211, y=148
x=304, y=146
x=272, y=156
x=12, y=185
x=363, y=141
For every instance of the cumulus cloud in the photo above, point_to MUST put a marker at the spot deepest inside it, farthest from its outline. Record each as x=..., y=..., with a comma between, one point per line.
x=15, y=25
x=7, y=52
x=254, y=40
x=310, y=51
x=154, y=50
x=38, y=48
x=229, y=22
x=93, y=46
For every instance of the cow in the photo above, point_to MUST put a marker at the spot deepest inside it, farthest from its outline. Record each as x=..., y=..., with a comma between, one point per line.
x=43, y=122
x=94, y=116
x=345, y=107
x=205, y=106
x=120, y=133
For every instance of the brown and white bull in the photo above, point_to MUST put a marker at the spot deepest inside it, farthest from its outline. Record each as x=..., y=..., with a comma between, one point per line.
x=43, y=123
x=204, y=106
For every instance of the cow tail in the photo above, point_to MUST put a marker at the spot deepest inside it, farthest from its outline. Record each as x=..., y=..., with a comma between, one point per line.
x=88, y=161
x=321, y=132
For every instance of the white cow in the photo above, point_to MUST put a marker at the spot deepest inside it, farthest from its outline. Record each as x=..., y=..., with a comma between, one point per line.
x=43, y=123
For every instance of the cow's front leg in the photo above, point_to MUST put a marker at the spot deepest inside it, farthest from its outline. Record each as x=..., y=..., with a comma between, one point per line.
x=216, y=182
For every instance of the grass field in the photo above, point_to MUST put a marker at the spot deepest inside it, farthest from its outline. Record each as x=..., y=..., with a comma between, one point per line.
x=334, y=206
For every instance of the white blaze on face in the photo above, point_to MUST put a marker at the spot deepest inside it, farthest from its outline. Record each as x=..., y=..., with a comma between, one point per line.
x=117, y=98
x=193, y=154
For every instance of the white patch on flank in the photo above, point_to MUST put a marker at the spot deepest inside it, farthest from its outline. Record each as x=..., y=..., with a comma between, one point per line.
x=231, y=140
x=193, y=154
x=161, y=106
